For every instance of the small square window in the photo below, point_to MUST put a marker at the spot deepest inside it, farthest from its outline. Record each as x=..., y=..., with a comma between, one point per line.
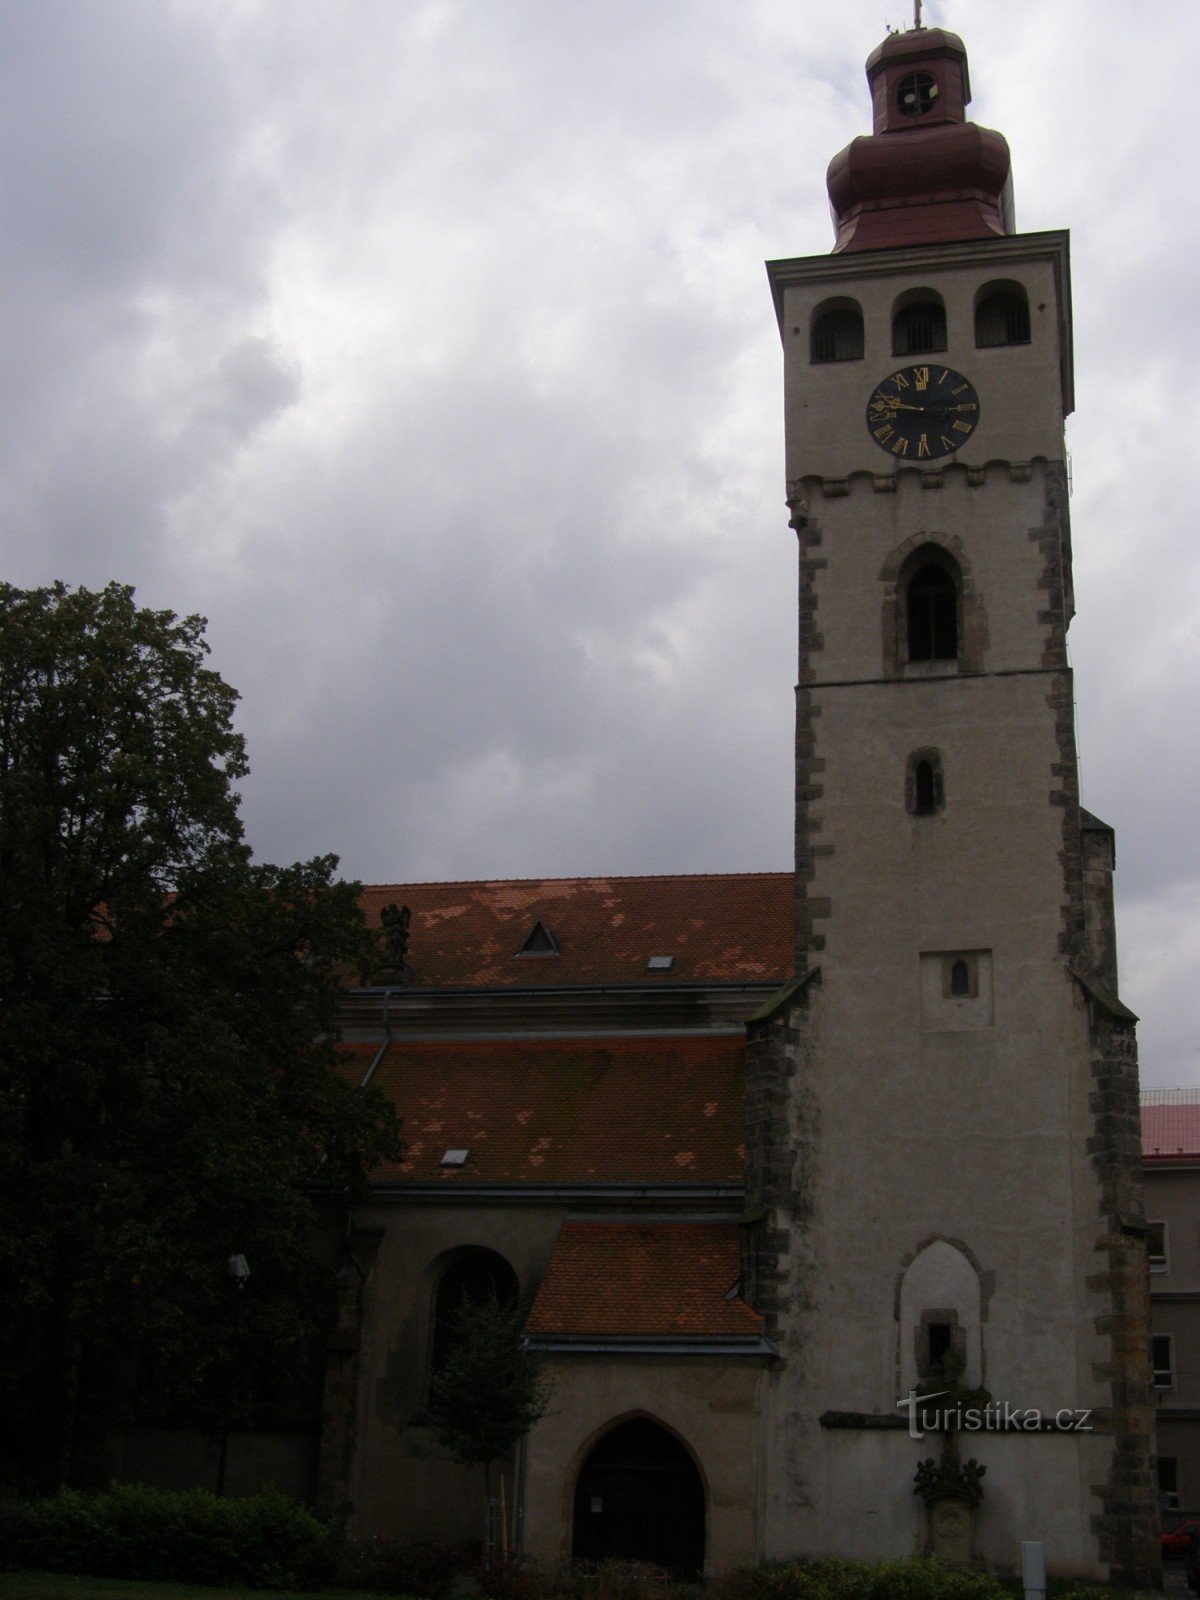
x=455, y=1158
x=660, y=963
x=1162, y=1361
x=1156, y=1246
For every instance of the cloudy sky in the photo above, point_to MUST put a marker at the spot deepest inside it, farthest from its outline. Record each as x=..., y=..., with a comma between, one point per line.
x=424, y=346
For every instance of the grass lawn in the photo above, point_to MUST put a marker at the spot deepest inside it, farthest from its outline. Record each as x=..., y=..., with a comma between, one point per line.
x=60, y=1586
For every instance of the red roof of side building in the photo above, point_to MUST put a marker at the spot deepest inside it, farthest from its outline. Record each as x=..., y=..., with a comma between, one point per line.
x=1170, y=1123
x=726, y=928
x=643, y=1280
x=657, y=1109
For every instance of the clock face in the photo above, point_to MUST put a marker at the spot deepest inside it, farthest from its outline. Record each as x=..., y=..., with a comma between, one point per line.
x=921, y=413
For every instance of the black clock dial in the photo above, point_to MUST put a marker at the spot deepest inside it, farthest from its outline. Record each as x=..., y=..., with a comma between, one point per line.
x=921, y=413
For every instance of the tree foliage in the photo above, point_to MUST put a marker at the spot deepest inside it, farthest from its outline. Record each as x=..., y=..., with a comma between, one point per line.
x=491, y=1388
x=167, y=1015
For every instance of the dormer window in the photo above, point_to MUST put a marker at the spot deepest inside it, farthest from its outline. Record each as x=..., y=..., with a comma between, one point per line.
x=916, y=93
x=539, y=941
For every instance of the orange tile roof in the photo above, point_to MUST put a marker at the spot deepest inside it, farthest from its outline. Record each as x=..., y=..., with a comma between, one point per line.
x=734, y=927
x=1170, y=1123
x=627, y=1109
x=643, y=1280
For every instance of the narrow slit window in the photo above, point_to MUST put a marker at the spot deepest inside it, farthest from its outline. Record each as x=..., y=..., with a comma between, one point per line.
x=960, y=977
x=926, y=792
x=924, y=786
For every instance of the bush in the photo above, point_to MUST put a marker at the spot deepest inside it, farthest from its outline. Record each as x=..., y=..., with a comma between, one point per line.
x=130, y=1531
x=830, y=1579
x=396, y=1567
x=577, y=1580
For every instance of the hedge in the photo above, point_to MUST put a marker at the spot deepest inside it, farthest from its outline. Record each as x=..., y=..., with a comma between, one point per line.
x=191, y=1536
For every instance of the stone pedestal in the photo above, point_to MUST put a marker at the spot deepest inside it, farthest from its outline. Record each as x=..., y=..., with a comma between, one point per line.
x=951, y=1532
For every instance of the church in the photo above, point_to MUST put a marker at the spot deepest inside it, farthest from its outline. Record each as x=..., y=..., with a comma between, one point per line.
x=819, y=1192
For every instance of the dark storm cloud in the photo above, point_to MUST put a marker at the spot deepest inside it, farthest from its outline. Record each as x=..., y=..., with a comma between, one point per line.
x=424, y=346
x=119, y=130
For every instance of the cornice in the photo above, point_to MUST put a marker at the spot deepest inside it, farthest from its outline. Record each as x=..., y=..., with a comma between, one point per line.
x=665, y=1345
x=1008, y=250
x=1051, y=245
x=698, y=1008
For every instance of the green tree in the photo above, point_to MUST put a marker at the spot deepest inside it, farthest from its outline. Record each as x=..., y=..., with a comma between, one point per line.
x=491, y=1388
x=168, y=1087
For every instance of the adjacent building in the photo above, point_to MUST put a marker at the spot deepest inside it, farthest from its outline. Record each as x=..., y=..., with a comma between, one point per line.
x=1171, y=1156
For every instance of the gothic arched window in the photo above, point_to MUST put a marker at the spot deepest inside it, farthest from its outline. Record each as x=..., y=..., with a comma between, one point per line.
x=932, y=612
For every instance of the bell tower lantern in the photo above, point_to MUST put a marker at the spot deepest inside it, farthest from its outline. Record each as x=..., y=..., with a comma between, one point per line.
x=925, y=174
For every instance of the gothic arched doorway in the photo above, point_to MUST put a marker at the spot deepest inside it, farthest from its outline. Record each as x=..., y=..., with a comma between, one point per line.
x=639, y=1498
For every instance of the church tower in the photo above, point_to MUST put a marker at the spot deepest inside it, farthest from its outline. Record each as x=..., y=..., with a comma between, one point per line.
x=943, y=1115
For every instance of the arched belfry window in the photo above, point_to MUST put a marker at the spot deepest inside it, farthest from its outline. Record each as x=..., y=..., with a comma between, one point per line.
x=1002, y=316
x=931, y=609
x=473, y=1278
x=837, y=333
x=919, y=326
x=924, y=784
